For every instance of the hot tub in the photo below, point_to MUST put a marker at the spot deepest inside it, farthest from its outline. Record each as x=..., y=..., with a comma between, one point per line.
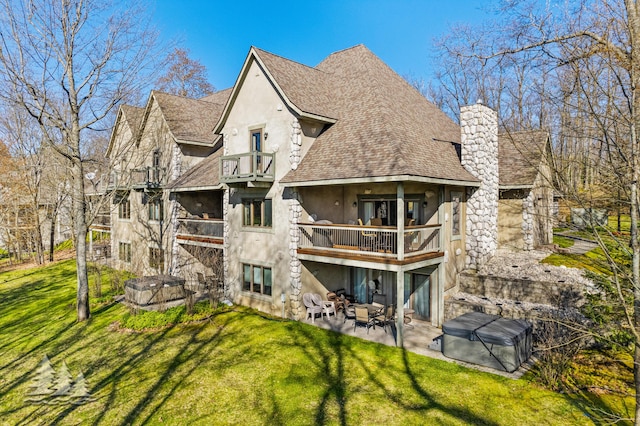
x=489, y=340
x=153, y=290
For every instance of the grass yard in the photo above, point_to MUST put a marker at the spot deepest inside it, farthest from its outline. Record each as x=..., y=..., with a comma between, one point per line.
x=242, y=367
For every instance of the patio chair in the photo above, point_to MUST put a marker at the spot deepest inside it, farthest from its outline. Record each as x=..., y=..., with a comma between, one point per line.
x=312, y=308
x=385, y=318
x=367, y=239
x=362, y=318
x=328, y=307
x=332, y=297
x=349, y=312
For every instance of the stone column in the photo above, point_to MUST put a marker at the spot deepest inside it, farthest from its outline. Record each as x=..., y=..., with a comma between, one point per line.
x=479, y=127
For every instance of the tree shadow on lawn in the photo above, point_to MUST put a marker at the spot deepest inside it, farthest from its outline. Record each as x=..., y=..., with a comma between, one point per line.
x=190, y=355
x=333, y=355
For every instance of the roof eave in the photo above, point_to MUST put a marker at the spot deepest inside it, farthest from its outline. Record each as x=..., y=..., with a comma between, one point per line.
x=198, y=188
x=381, y=179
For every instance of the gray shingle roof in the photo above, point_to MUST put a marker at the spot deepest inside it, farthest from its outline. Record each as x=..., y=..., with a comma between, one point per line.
x=520, y=155
x=384, y=128
x=192, y=120
x=203, y=175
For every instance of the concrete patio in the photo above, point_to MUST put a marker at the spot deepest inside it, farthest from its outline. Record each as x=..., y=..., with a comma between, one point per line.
x=417, y=338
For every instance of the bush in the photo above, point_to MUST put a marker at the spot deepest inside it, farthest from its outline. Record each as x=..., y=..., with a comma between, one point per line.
x=151, y=320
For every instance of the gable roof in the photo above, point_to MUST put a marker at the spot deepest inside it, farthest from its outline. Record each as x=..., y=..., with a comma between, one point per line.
x=384, y=127
x=519, y=157
x=189, y=120
x=202, y=176
x=129, y=115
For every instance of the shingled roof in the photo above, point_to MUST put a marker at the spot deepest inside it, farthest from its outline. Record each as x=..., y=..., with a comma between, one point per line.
x=519, y=157
x=384, y=126
x=132, y=117
x=191, y=120
x=202, y=176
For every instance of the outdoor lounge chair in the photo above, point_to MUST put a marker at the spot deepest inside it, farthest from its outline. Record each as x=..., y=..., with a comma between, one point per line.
x=327, y=306
x=312, y=308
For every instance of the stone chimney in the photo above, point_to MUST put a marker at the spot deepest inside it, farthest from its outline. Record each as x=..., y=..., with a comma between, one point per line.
x=479, y=127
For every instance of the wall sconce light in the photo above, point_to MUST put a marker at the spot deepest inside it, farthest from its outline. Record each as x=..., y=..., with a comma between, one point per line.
x=424, y=204
x=337, y=203
x=266, y=135
x=355, y=204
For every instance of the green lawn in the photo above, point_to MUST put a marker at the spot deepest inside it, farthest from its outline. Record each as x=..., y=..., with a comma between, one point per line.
x=242, y=367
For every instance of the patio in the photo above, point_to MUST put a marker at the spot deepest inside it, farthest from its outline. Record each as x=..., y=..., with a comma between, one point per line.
x=417, y=338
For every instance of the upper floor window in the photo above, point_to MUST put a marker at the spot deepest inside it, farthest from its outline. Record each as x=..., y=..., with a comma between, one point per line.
x=156, y=211
x=124, y=209
x=155, y=167
x=257, y=212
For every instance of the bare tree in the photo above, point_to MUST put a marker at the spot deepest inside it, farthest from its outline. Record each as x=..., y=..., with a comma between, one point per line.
x=68, y=64
x=184, y=76
x=585, y=57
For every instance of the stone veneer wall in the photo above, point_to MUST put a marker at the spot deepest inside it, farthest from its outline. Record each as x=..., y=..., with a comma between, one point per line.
x=295, y=212
x=479, y=137
x=528, y=214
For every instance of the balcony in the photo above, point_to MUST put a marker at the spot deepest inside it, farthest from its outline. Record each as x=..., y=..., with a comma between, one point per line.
x=370, y=242
x=148, y=178
x=200, y=232
x=102, y=222
x=251, y=168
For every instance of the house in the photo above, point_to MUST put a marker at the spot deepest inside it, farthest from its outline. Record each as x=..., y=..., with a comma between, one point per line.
x=525, y=204
x=309, y=179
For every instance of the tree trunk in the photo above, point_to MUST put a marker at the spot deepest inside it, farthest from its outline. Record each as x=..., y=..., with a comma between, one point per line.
x=80, y=232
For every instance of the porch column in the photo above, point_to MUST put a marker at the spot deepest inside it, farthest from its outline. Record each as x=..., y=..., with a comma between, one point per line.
x=400, y=274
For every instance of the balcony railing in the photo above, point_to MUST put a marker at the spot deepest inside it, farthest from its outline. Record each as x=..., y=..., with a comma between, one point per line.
x=248, y=167
x=370, y=240
x=200, y=231
x=102, y=222
x=148, y=178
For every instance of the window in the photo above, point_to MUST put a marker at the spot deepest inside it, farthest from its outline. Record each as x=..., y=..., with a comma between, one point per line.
x=156, y=258
x=256, y=146
x=124, y=252
x=124, y=209
x=456, y=214
x=257, y=213
x=256, y=279
x=155, y=209
x=155, y=175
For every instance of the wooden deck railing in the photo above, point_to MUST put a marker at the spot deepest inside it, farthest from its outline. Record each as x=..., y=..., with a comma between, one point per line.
x=200, y=230
x=371, y=240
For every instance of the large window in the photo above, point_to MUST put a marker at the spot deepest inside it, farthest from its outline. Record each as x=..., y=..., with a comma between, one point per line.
x=156, y=210
x=256, y=279
x=124, y=209
x=156, y=258
x=124, y=252
x=257, y=213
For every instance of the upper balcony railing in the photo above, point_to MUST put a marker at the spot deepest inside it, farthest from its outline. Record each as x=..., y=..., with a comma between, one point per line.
x=102, y=222
x=197, y=231
x=145, y=178
x=370, y=240
x=248, y=167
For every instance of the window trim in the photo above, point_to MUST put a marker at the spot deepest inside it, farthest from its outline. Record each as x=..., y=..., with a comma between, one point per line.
x=157, y=206
x=252, y=268
x=156, y=260
x=124, y=251
x=250, y=203
x=124, y=209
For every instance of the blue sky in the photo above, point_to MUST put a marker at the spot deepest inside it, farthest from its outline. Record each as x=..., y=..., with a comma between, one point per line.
x=218, y=33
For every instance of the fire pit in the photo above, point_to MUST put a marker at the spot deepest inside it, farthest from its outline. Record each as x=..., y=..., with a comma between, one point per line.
x=153, y=290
